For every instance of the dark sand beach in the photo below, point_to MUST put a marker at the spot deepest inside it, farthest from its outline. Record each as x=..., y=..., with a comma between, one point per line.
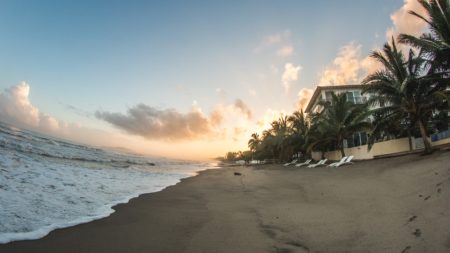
x=398, y=204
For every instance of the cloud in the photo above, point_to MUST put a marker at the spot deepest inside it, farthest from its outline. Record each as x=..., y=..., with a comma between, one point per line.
x=281, y=41
x=221, y=92
x=348, y=67
x=157, y=124
x=304, y=95
x=243, y=108
x=403, y=22
x=269, y=116
x=290, y=74
x=76, y=110
x=217, y=116
x=16, y=109
x=345, y=67
x=370, y=65
x=224, y=127
x=285, y=51
x=274, y=70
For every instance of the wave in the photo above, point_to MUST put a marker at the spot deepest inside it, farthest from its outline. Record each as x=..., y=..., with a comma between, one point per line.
x=52, y=183
x=104, y=212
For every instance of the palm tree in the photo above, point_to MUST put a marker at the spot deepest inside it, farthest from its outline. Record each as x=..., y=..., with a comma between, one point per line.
x=403, y=91
x=435, y=45
x=299, y=128
x=317, y=138
x=340, y=119
x=299, y=123
x=254, y=142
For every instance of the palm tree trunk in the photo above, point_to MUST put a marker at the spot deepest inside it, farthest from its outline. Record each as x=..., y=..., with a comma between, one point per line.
x=342, y=151
x=342, y=147
x=423, y=132
x=409, y=140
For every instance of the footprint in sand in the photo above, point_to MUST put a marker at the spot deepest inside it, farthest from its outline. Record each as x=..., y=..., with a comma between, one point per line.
x=439, y=190
x=417, y=233
x=427, y=197
x=406, y=250
x=412, y=218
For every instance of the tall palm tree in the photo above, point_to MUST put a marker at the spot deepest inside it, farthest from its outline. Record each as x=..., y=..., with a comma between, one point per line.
x=281, y=132
x=299, y=127
x=317, y=138
x=403, y=91
x=435, y=44
x=299, y=123
x=340, y=119
x=254, y=142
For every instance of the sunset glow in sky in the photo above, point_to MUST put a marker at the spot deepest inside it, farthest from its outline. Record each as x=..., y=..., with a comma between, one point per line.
x=184, y=79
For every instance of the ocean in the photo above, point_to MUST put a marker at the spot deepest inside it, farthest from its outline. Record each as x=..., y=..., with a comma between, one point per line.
x=47, y=183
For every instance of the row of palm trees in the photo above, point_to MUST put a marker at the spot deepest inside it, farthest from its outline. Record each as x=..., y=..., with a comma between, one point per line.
x=410, y=94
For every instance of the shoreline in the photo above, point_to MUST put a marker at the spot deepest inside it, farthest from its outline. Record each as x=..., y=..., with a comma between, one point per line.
x=107, y=210
x=363, y=207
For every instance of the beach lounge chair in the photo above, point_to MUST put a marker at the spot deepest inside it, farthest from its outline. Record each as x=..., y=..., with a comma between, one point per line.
x=303, y=164
x=292, y=162
x=347, y=161
x=320, y=163
x=240, y=162
x=343, y=159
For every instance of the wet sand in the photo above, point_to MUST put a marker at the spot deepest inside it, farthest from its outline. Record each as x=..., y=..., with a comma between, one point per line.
x=399, y=204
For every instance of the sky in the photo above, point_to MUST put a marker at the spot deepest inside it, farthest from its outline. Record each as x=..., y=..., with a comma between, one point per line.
x=182, y=79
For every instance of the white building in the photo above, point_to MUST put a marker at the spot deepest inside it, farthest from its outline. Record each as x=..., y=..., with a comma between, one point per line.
x=357, y=146
x=353, y=94
x=323, y=93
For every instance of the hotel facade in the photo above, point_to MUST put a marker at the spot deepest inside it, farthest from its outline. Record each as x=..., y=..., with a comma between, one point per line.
x=357, y=145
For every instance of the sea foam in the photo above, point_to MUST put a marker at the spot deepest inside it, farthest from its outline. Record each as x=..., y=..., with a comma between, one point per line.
x=47, y=184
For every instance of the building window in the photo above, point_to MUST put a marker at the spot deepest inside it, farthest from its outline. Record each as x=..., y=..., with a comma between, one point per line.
x=355, y=97
x=358, y=139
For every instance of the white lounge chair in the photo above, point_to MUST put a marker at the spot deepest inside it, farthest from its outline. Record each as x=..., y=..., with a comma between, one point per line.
x=320, y=163
x=348, y=161
x=303, y=164
x=343, y=159
x=254, y=162
x=292, y=162
x=240, y=162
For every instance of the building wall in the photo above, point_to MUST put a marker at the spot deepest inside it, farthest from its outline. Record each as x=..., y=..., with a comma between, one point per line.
x=322, y=96
x=361, y=152
x=379, y=148
x=441, y=142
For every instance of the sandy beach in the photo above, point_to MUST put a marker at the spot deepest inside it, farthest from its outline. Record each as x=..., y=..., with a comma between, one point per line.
x=398, y=204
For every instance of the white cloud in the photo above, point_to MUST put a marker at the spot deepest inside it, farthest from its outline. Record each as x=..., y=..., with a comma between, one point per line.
x=221, y=92
x=285, y=51
x=304, y=95
x=281, y=41
x=403, y=22
x=243, y=107
x=252, y=92
x=274, y=70
x=345, y=67
x=16, y=109
x=370, y=65
x=269, y=116
x=290, y=74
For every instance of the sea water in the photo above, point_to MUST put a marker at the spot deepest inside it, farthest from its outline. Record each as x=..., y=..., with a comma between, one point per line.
x=46, y=183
